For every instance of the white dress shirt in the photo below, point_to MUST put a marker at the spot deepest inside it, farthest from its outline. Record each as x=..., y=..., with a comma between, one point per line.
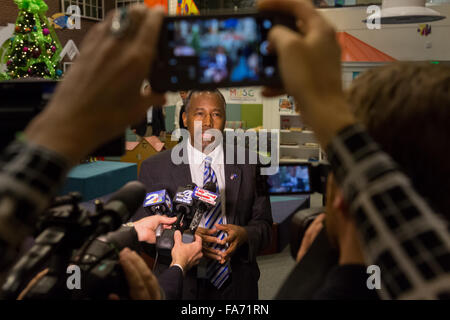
x=176, y=121
x=150, y=115
x=197, y=167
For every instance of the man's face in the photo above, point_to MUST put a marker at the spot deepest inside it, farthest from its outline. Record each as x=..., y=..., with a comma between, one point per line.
x=183, y=95
x=285, y=104
x=208, y=109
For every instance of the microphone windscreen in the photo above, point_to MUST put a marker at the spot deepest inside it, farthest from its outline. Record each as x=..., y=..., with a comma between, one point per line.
x=131, y=195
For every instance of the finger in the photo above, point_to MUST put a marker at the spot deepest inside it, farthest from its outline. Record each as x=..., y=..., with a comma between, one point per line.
x=282, y=38
x=148, y=36
x=113, y=296
x=301, y=9
x=227, y=253
x=148, y=277
x=212, y=231
x=137, y=288
x=211, y=256
x=166, y=220
x=321, y=217
x=223, y=227
x=209, y=239
x=177, y=237
x=272, y=92
x=201, y=230
x=213, y=253
x=198, y=240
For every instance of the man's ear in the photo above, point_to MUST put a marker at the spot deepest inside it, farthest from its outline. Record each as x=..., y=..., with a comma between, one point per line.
x=339, y=203
x=184, y=119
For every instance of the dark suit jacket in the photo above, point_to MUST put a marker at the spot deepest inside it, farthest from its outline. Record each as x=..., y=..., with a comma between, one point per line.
x=247, y=205
x=158, y=122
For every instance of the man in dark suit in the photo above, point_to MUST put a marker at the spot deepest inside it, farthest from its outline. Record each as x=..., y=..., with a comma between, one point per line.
x=157, y=122
x=240, y=227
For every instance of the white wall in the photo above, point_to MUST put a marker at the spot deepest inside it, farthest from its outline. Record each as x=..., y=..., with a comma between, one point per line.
x=402, y=42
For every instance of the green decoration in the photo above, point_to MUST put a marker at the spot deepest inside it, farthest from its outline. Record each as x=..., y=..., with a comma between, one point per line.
x=34, y=48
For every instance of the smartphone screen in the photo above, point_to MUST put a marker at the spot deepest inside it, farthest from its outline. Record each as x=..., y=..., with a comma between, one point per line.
x=290, y=179
x=216, y=51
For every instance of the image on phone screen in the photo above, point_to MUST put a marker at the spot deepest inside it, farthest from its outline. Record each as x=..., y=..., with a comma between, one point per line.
x=216, y=51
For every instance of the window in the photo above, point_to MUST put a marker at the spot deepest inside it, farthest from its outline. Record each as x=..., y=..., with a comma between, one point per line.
x=124, y=3
x=91, y=9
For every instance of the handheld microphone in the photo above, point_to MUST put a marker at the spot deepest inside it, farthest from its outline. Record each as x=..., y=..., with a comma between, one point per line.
x=158, y=202
x=206, y=199
x=121, y=206
x=183, y=204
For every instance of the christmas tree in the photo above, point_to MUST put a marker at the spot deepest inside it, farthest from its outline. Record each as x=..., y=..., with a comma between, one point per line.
x=34, y=48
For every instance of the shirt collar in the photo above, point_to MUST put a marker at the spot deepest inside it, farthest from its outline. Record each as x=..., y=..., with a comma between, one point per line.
x=197, y=157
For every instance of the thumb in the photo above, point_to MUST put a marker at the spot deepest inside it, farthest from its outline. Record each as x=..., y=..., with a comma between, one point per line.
x=177, y=237
x=281, y=37
x=198, y=239
x=167, y=220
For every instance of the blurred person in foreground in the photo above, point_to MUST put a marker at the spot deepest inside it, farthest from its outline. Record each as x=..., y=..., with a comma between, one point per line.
x=409, y=121
x=99, y=97
x=400, y=231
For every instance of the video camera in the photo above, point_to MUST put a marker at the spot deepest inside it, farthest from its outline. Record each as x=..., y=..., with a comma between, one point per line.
x=70, y=236
x=300, y=178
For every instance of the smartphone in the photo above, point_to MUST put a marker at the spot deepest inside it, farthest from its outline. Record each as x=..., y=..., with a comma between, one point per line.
x=228, y=50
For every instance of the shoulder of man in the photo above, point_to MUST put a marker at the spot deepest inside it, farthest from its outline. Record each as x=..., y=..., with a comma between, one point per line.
x=159, y=159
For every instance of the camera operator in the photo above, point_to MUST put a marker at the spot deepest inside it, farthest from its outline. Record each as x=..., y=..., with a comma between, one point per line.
x=310, y=67
x=143, y=285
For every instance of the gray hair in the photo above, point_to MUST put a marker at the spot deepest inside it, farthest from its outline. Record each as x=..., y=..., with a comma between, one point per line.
x=214, y=91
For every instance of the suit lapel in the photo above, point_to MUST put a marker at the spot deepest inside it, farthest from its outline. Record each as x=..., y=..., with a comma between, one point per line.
x=181, y=174
x=233, y=176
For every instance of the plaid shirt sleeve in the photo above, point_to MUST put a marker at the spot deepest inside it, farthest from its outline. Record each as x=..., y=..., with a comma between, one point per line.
x=399, y=231
x=29, y=177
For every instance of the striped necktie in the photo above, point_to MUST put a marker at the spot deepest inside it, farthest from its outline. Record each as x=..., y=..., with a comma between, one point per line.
x=216, y=272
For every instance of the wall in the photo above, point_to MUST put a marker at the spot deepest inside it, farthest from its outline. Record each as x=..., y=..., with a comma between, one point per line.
x=402, y=42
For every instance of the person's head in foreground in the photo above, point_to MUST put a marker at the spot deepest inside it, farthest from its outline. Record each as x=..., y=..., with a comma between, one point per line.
x=405, y=108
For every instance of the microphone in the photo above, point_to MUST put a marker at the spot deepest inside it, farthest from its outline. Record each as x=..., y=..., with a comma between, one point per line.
x=121, y=206
x=183, y=203
x=158, y=202
x=206, y=199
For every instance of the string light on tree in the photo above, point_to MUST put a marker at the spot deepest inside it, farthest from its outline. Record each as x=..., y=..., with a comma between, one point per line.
x=34, y=48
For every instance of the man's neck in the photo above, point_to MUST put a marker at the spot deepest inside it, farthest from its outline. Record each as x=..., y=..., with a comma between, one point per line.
x=349, y=247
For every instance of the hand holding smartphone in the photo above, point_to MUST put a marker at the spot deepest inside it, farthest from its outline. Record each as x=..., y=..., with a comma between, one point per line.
x=213, y=51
